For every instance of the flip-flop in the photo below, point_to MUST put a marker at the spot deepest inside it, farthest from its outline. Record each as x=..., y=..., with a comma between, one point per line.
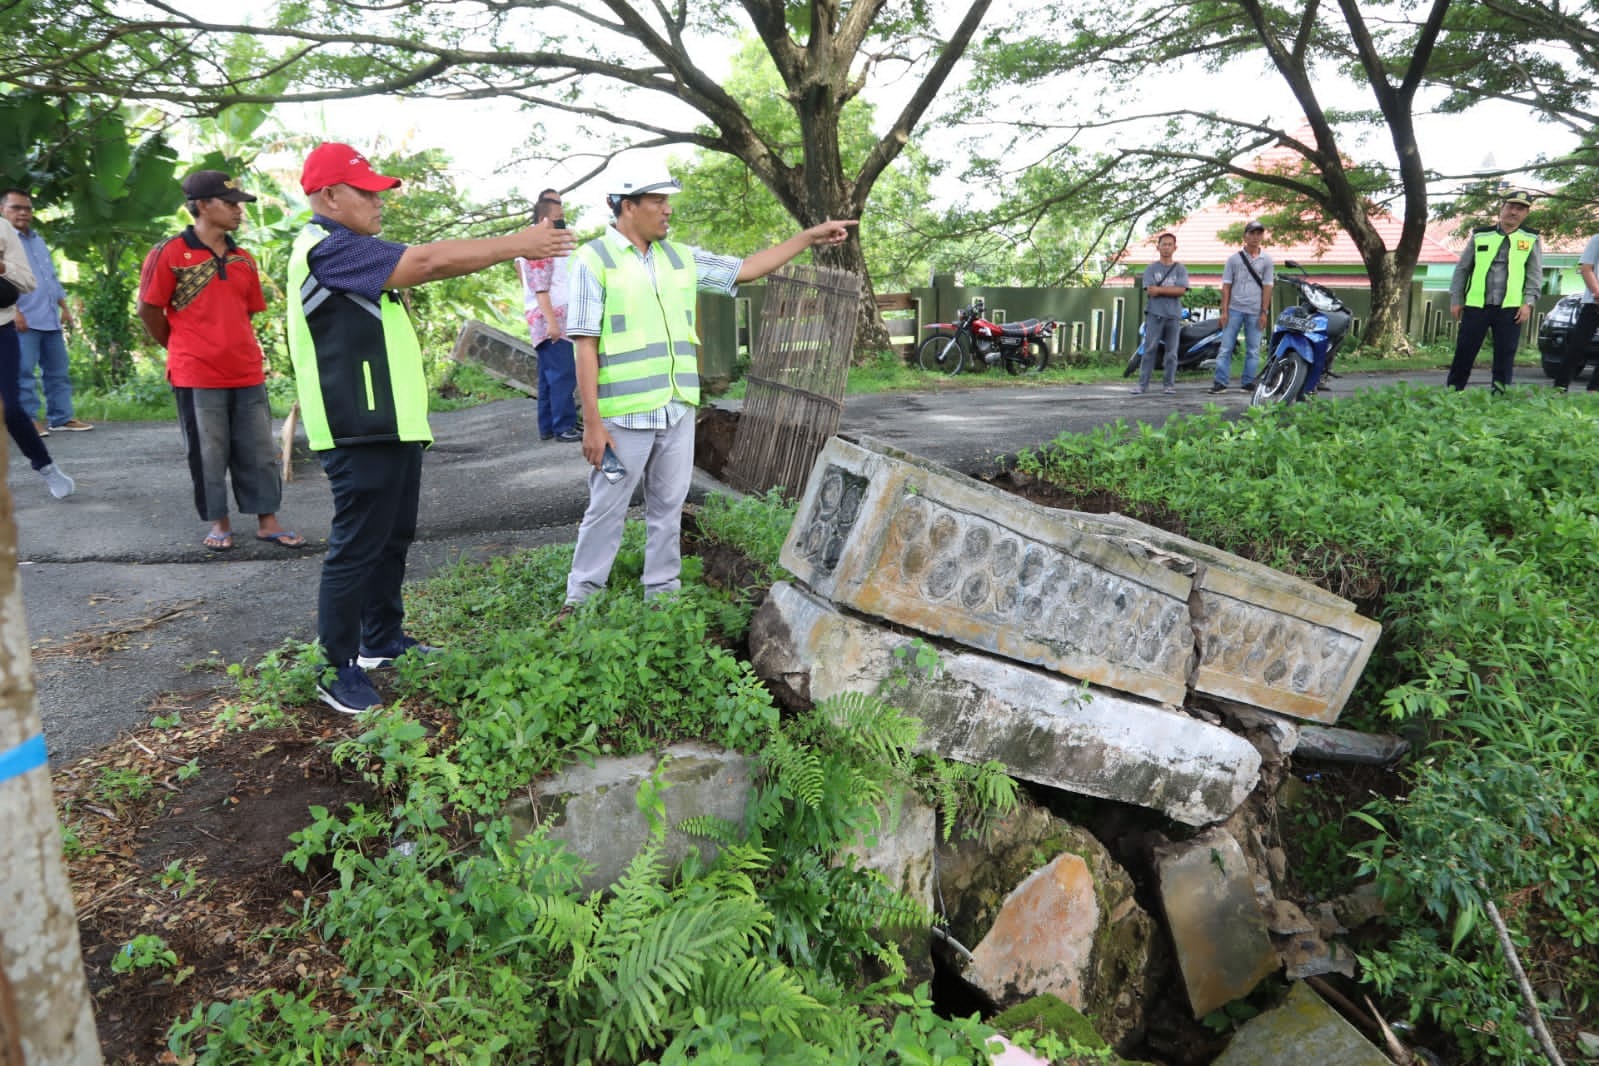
x=286, y=538
x=218, y=542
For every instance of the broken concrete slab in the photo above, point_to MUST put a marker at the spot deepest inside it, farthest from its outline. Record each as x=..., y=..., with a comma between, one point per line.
x=1266, y=638
x=1303, y=1028
x=1042, y=727
x=1208, y=894
x=1017, y=936
x=1042, y=940
x=899, y=538
x=506, y=358
x=594, y=809
x=1097, y=597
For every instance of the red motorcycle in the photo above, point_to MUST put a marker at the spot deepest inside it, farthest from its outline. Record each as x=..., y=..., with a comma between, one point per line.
x=1023, y=347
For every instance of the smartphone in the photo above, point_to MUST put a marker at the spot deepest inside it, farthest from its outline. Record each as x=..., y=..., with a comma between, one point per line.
x=611, y=466
x=559, y=223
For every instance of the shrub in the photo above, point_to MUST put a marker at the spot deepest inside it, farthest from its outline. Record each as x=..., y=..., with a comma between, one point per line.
x=1473, y=522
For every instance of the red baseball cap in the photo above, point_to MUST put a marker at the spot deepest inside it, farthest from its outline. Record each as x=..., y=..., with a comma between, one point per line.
x=339, y=164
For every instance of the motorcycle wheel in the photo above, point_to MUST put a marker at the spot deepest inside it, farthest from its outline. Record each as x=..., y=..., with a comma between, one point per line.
x=1038, y=355
x=1036, y=359
x=943, y=354
x=1281, y=381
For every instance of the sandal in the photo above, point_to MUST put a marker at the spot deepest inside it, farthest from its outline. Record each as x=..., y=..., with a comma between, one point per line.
x=286, y=538
x=218, y=542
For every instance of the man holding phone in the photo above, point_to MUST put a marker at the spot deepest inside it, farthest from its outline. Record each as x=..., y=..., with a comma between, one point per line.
x=544, y=297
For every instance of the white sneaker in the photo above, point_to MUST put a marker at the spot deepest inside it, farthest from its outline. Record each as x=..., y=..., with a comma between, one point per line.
x=61, y=486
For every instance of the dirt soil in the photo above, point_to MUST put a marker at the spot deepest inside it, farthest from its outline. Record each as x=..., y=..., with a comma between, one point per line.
x=197, y=860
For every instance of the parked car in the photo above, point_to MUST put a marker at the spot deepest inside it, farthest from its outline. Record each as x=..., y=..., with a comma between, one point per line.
x=1552, y=333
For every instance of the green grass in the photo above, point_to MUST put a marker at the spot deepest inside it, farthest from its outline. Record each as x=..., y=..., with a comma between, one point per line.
x=1471, y=522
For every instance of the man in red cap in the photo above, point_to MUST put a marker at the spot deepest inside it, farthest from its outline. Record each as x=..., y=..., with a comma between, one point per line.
x=363, y=398
x=197, y=292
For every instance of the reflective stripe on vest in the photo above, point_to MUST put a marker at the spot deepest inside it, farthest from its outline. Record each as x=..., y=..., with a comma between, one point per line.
x=357, y=364
x=1487, y=244
x=647, y=334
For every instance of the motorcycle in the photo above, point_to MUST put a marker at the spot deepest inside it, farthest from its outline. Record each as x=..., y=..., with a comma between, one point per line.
x=1022, y=347
x=1197, y=344
x=1304, y=340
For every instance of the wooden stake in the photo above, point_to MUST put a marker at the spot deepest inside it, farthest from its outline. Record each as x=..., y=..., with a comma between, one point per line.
x=286, y=456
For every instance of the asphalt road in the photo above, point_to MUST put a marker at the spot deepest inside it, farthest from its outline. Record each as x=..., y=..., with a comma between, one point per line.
x=122, y=558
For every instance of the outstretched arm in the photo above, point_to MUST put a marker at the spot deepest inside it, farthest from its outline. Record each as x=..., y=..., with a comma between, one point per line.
x=422, y=263
x=764, y=262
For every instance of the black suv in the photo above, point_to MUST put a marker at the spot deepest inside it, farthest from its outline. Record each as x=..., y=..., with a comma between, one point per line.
x=1552, y=334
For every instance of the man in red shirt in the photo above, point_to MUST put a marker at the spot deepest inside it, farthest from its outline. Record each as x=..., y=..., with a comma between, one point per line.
x=197, y=292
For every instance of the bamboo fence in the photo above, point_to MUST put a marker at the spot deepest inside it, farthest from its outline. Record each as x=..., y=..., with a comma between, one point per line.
x=795, y=393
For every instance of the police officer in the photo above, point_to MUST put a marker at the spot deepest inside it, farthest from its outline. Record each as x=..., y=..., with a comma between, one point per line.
x=1494, y=287
x=631, y=317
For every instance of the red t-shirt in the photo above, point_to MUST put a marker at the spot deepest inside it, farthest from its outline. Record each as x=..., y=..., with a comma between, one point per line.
x=208, y=300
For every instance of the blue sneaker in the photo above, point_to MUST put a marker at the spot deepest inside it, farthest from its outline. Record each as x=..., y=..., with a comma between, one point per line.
x=372, y=658
x=351, y=691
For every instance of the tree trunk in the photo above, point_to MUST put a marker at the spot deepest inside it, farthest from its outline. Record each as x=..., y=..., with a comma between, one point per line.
x=1385, y=329
x=871, y=335
x=45, y=1013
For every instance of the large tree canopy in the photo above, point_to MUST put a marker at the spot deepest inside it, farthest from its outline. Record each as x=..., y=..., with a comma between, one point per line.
x=1165, y=156
x=636, y=68
x=1542, y=55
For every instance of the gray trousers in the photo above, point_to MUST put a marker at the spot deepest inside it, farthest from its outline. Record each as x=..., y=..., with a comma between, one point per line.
x=229, y=431
x=1160, y=330
x=663, y=461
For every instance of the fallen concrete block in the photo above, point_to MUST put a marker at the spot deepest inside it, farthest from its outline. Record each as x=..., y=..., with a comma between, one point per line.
x=507, y=358
x=1302, y=1029
x=1102, y=598
x=901, y=539
x=1265, y=638
x=594, y=809
x=1223, y=948
x=1042, y=727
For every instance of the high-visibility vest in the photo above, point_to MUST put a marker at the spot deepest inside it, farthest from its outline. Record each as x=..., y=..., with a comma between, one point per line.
x=357, y=364
x=647, y=335
x=1486, y=241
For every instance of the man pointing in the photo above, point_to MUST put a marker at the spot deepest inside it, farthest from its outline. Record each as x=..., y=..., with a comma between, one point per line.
x=631, y=317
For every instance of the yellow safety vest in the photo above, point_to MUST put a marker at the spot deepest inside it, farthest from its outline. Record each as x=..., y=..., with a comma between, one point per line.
x=357, y=364
x=1487, y=242
x=647, y=335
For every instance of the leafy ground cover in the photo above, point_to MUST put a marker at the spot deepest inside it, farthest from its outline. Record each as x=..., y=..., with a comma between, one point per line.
x=1469, y=524
x=408, y=925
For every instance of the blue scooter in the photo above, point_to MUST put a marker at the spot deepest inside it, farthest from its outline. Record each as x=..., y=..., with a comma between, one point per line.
x=1304, y=340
